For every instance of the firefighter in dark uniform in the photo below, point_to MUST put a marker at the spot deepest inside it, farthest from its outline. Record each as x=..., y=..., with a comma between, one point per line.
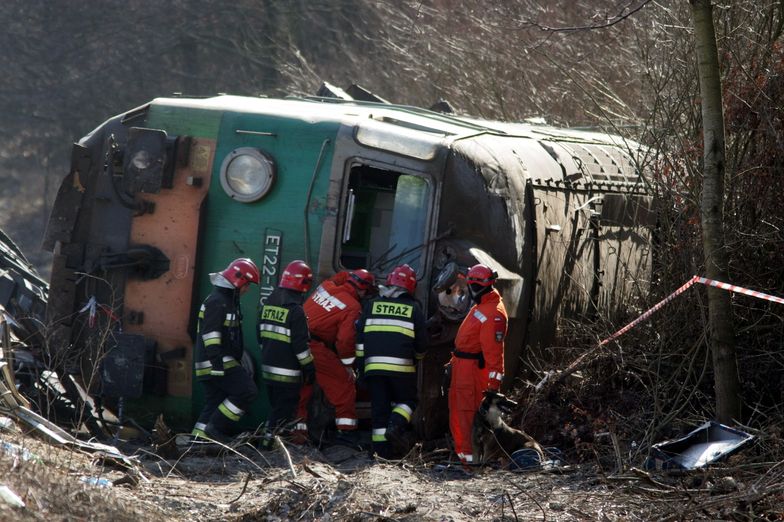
x=228, y=387
x=391, y=339
x=286, y=360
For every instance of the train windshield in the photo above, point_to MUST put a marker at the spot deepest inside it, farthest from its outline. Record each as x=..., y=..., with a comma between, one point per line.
x=386, y=219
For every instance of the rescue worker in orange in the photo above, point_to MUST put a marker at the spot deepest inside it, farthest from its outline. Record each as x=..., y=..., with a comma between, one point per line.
x=286, y=361
x=477, y=363
x=332, y=311
x=228, y=388
x=391, y=339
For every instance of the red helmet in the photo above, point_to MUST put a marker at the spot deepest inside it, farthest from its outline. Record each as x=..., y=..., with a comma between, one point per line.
x=241, y=272
x=297, y=276
x=481, y=275
x=362, y=279
x=403, y=276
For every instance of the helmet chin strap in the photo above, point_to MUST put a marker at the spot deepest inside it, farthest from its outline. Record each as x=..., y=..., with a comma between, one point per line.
x=477, y=291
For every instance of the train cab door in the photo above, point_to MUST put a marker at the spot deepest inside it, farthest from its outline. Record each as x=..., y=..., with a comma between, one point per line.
x=387, y=216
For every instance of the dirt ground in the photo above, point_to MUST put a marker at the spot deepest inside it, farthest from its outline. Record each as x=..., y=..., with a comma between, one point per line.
x=340, y=483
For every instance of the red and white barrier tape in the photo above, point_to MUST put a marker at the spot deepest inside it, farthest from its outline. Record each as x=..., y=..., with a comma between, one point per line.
x=679, y=291
x=739, y=289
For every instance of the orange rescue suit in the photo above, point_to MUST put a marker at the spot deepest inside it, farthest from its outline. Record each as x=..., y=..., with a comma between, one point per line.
x=332, y=311
x=477, y=365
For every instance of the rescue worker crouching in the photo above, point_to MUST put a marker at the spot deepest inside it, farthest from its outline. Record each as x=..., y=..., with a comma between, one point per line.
x=391, y=339
x=332, y=311
x=286, y=360
x=477, y=363
x=228, y=388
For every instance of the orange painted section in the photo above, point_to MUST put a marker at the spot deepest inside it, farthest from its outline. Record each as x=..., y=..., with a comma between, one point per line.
x=173, y=228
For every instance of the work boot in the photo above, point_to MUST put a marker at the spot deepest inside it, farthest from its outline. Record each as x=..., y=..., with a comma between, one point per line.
x=348, y=438
x=267, y=442
x=216, y=435
x=299, y=437
x=396, y=437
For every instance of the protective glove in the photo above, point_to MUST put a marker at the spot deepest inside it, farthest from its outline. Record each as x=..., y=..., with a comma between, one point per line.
x=309, y=375
x=217, y=366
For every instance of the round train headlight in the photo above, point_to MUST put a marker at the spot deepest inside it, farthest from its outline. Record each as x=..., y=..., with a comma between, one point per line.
x=247, y=174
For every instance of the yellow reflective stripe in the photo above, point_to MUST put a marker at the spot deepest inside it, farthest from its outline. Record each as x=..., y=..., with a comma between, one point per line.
x=203, y=371
x=211, y=338
x=230, y=410
x=404, y=410
x=379, y=435
x=389, y=367
x=396, y=329
x=390, y=360
x=279, y=378
x=276, y=336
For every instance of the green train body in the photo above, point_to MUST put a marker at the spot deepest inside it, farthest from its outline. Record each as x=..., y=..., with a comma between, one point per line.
x=160, y=196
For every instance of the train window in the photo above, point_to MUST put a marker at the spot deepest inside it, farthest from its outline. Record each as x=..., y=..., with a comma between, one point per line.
x=247, y=174
x=386, y=218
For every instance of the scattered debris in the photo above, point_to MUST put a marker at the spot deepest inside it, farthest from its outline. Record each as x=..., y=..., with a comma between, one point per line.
x=9, y=497
x=706, y=444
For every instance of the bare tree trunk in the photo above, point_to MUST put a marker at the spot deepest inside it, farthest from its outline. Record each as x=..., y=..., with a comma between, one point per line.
x=720, y=319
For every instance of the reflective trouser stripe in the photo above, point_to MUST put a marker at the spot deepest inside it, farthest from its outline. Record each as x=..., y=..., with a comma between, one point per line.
x=404, y=410
x=344, y=422
x=379, y=435
x=198, y=430
x=230, y=410
x=466, y=457
x=301, y=426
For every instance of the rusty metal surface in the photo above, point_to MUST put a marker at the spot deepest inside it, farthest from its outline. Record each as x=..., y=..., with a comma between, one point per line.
x=166, y=302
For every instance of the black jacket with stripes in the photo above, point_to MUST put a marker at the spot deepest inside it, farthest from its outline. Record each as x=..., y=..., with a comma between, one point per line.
x=283, y=338
x=391, y=336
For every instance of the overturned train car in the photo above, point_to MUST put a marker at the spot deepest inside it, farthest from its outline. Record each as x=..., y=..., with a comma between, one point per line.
x=158, y=197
